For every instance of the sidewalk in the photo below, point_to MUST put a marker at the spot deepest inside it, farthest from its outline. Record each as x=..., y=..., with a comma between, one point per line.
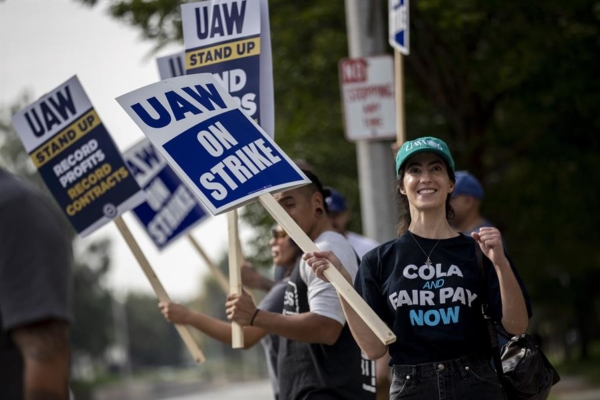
x=574, y=388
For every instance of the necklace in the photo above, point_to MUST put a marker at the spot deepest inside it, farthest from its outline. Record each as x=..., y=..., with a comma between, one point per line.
x=428, y=262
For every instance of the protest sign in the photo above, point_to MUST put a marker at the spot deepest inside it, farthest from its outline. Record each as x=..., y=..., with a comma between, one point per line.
x=399, y=25
x=191, y=120
x=77, y=158
x=231, y=39
x=171, y=66
x=226, y=159
x=170, y=209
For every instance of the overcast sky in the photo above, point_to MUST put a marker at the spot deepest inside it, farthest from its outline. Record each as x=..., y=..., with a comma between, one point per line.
x=45, y=42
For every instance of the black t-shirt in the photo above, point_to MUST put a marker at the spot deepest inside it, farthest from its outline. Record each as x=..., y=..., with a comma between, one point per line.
x=35, y=259
x=435, y=311
x=273, y=302
x=318, y=371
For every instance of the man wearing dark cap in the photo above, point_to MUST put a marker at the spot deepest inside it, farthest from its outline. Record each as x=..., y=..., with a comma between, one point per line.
x=318, y=358
x=466, y=201
x=339, y=215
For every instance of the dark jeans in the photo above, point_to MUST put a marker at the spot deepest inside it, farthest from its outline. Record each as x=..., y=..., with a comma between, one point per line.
x=469, y=377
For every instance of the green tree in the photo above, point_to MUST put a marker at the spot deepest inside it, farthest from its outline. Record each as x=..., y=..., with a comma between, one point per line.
x=153, y=342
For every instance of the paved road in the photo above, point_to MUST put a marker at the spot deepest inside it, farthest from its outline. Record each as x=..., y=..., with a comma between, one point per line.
x=260, y=390
x=569, y=388
x=574, y=388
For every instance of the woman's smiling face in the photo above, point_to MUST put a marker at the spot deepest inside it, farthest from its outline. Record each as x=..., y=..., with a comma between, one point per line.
x=426, y=182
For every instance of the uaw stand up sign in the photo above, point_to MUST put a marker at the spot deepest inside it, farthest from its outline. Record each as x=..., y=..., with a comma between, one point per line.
x=85, y=172
x=77, y=158
x=226, y=159
x=231, y=39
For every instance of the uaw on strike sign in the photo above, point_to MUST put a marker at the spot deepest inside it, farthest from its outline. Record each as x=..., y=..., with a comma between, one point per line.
x=231, y=39
x=213, y=145
x=77, y=158
x=170, y=209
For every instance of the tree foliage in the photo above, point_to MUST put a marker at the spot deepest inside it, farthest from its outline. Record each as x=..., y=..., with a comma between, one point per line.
x=153, y=341
x=511, y=86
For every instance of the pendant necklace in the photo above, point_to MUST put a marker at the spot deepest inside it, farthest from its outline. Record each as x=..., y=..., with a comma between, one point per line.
x=428, y=262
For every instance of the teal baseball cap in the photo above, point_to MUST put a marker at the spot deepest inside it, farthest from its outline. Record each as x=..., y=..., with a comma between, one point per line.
x=421, y=145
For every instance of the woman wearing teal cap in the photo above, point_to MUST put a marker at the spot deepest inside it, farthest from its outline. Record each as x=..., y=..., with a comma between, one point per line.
x=428, y=287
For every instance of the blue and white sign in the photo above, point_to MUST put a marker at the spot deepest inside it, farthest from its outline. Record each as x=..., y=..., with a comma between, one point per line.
x=171, y=66
x=219, y=152
x=77, y=158
x=399, y=38
x=170, y=209
x=232, y=40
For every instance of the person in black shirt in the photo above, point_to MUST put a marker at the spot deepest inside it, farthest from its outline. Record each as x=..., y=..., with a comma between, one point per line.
x=428, y=287
x=318, y=359
x=35, y=312
x=286, y=255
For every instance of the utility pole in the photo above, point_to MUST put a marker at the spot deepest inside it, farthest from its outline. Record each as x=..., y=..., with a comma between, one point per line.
x=375, y=160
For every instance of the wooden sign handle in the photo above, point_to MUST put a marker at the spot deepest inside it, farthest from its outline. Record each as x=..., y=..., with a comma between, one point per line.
x=158, y=288
x=235, y=274
x=219, y=276
x=332, y=274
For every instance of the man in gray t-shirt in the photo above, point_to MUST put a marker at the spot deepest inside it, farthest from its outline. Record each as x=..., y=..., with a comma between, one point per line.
x=35, y=259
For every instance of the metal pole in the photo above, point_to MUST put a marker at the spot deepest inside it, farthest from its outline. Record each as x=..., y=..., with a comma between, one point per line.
x=375, y=160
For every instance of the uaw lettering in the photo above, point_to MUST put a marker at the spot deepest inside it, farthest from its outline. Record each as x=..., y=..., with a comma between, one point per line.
x=225, y=39
x=170, y=209
x=193, y=100
x=217, y=150
x=434, y=277
x=76, y=157
x=222, y=20
x=218, y=30
x=58, y=108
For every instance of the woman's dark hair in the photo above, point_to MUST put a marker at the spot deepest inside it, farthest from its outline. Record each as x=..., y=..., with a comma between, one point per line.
x=404, y=218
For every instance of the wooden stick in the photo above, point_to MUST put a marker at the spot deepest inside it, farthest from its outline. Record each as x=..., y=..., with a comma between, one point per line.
x=235, y=275
x=399, y=84
x=238, y=246
x=219, y=276
x=162, y=295
x=332, y=274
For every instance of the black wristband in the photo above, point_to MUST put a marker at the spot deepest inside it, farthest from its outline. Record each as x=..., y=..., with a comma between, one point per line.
x=254, y=316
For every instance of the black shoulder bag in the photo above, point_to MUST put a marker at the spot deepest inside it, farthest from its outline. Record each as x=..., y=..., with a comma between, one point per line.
x=523, y=370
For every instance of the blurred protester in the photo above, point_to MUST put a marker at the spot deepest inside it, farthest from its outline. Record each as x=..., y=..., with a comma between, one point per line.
x=466, y=201
x=286, y=254
x=339, y=215
x=318, y=359
x=252, y=279
x=427, y=287
x=35, y=261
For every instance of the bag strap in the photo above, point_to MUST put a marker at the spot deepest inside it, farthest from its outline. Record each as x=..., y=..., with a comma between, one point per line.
x=492, y=331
